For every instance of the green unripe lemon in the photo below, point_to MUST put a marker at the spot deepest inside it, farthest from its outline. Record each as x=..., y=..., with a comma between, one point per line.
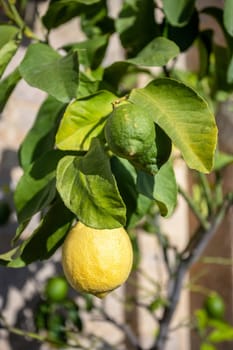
x=130, y=134
x=56, y=289
x=214, y=306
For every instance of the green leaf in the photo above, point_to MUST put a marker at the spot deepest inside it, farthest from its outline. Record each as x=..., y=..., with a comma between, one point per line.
x=91, y=51
x=157, y=53
x=41, y=137
x=184, y=116
x=217, y=14
x=161, y=187
x=223, y=68
x=201, y=320
x=184, y=36
x=136, y=203
x=83, y=120
x=5, y=258
x=61, y=11
x=223, y=332
x=204, y=45
x=230, y=71
x=6, y=53
x=116, y=72
x=46, y=238
x=227, y=16
x=178, y=12
x=36, y=188
x=43, y=68
x=88, y=84
x=95, y=20
x=7, y=85
x=8, y=32
x=136, y=25
x=89, y=189
x=222, y=160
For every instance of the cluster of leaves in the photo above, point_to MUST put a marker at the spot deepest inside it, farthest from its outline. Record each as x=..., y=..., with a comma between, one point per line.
x=68, y=171
x=210, y=323
x=57, y=315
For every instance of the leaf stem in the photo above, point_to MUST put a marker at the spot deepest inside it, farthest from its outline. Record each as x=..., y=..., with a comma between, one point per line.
x=13, y=14
x=207, y=191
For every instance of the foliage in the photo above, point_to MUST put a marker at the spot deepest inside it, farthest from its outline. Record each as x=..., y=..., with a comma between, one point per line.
x=70, y=170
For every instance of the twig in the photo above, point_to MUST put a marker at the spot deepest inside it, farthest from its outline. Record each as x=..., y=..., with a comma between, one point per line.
x=4, y=324
x=190, y=254
x=124, y=328
x=164, y=247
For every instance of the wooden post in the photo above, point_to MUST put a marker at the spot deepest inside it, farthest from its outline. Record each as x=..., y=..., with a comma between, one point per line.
x=218, y=277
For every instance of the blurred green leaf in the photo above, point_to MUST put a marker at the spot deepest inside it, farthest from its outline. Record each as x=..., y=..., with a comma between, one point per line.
x=161, y=187
x=61, y=11
x=95, y=20
x=6, y=53
x=227, y=16
x=8, y=33
x=46, y=238
x=37, y=187
x=184, y=36
x=157, y=303
x=89, y=189
x=201, y=320
x=157, y=53
x=136, y=25
x=7, y=85
x=43, y=68
x=89, y=302
x=207, y=346
x=178, y=12
x=91, y=51
x=41, y=137
x=137, y=204
x=222, y=160
x=223, y=332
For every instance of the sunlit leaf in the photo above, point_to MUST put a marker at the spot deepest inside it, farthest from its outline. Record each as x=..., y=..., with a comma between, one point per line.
x=43, y=68
x=161, y=187
x=184, y=116
x=89, y=189
x=178, y=12
x=83, y=120
x=157, y=53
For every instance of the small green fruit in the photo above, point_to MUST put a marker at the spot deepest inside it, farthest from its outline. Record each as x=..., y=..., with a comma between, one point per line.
x=214, y=306
x=130, y=134
x=56, y=289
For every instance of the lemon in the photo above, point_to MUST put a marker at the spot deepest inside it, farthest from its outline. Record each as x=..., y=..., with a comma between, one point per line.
x=96, y=261
x=130, y=133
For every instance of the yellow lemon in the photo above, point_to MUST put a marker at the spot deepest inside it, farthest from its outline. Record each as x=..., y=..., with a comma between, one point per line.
x=96, y=261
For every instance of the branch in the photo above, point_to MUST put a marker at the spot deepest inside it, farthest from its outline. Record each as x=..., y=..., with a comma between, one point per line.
x=194, y=208
x=26, y=334
x=190, y=254
x=124, y=328
x=200, y=239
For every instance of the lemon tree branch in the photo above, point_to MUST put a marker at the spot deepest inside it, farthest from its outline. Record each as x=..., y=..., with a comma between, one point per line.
x=190, y=254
